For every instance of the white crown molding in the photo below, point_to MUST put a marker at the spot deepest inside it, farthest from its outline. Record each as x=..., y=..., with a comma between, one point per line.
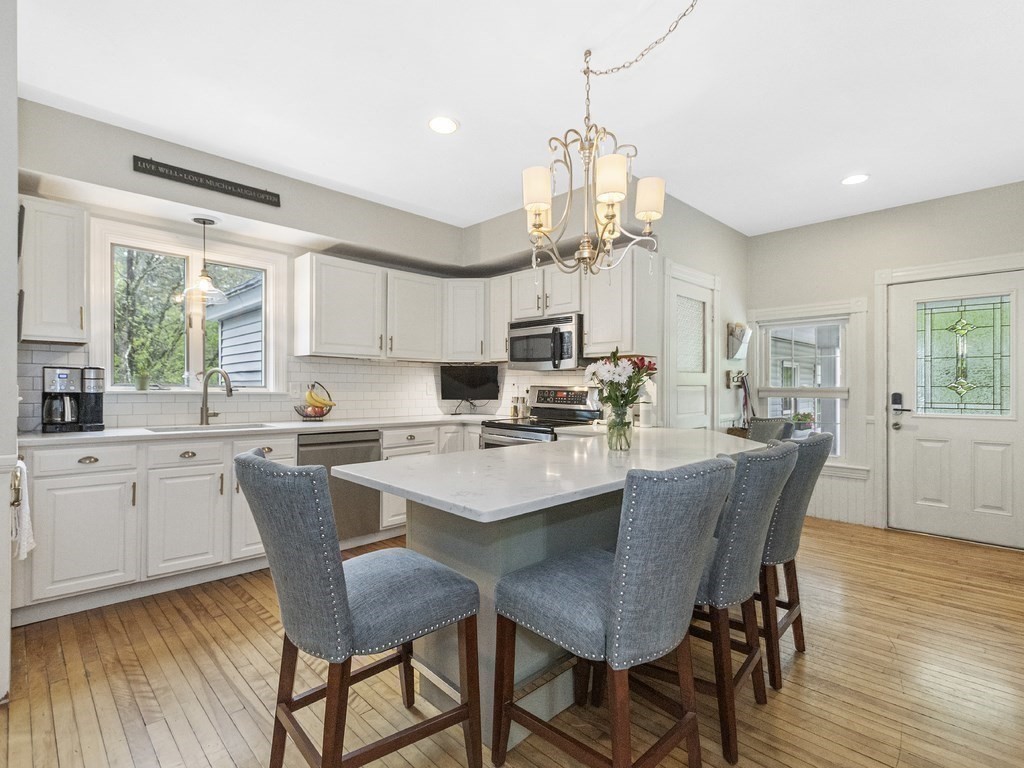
x=981, y=266
x=800, y=312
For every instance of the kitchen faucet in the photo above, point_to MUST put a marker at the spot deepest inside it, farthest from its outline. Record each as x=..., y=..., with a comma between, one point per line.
x=204, y=410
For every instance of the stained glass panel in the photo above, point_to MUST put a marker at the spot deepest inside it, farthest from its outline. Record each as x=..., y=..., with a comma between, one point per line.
x=963, y=356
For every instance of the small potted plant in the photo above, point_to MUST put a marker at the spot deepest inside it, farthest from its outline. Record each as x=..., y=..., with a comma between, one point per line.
x=142, y=380
x=803, y=420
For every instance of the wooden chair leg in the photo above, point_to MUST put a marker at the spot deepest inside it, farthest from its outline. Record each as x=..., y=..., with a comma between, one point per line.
x=688, y=697
x=600, y=677
x=335, y=712
x=770, y=619
x=581, y=681
x=408, y=687
x=469, y=685
x=793, y=598
x=504, y=675
x=750, y=630
x=285, y=689
x=721, y=647
x=618, y=706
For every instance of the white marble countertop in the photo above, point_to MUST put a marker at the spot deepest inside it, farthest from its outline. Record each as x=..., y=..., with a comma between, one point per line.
x=499, y=483
x=224, y=431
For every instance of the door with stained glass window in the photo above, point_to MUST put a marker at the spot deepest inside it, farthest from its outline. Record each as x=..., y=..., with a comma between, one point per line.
x=956, y=455
x=688, y=369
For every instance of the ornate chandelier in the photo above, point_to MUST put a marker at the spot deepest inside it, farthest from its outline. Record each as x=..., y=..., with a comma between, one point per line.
x=606, y=168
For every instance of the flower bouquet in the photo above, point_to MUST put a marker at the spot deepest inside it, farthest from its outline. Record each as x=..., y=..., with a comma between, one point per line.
x=621, y=381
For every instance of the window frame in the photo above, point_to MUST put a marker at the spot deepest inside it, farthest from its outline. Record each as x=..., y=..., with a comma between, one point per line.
x=853, y=395
x=106, y=233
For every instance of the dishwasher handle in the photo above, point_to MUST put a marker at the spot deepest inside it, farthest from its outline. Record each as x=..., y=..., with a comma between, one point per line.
x=333, y=438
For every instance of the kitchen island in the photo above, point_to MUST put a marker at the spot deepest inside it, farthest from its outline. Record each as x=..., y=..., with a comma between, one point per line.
x=487, y=513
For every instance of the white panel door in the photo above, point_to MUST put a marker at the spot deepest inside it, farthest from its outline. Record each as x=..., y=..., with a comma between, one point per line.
x=561, y=291
x=499, y=313
x=528, y=294
x=688, y=369
x=415, y=316
x=608, y=310
x=346, y=308
x=186, y=519
x=464, y=320
x=956, y=457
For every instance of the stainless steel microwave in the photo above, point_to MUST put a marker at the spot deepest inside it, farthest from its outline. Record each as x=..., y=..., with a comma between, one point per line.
x=546, y=344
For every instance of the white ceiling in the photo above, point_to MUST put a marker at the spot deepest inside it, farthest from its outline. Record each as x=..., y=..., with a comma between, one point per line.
x=753, y=111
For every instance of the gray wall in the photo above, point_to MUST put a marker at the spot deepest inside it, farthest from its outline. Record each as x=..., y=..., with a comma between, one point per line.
x=837, y=260
x=64, y=145
x=9, y=304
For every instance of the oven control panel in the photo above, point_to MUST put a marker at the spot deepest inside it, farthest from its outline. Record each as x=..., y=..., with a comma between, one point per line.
x=566, y=397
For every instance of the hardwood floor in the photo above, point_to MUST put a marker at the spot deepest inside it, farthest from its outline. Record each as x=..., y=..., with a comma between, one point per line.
x=915, y=657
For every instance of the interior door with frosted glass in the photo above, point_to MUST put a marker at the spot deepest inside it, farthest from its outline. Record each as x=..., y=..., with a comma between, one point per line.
x=689, y=356
x=956, y=456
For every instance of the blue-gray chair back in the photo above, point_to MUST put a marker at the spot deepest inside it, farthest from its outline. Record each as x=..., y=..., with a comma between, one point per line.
x=763, y=430
x=732, y=572
x=665, y=534
x=293, y=512
x=788, y=519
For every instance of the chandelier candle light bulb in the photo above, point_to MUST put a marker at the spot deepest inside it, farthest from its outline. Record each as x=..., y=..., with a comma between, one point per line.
x=611, y=173
x=537, y=189
x=650, y=200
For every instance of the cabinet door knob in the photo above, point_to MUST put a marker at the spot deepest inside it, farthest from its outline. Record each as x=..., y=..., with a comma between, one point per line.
x=187, y=454
x=267, y=449
x=410, y=437
x=88, y=460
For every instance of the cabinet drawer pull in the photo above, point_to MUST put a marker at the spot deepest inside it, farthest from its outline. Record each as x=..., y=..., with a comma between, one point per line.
x=134, y=489
x=221, y=483
x=380, y=342
x=81, y=318
x=267, y=449
x=506, y=345
x=538, y=301
x=547, y=300
x=410, y=437
x=88, y=460
x=391, y=343
x=481, y=346
x=187, y=454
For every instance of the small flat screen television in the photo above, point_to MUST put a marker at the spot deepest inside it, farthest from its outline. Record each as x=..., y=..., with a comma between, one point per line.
x=469, y=382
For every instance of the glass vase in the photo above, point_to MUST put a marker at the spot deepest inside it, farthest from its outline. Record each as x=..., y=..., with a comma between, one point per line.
x=620, y=429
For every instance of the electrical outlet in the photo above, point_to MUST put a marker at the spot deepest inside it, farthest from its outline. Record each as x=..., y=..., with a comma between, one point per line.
x=294, y=389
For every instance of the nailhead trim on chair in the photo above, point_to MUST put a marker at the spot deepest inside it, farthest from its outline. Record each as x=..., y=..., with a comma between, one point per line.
x=552, y=638
x=414, y=635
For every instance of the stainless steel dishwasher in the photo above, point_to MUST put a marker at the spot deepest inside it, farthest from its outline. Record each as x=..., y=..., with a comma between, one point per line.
x=356, y=507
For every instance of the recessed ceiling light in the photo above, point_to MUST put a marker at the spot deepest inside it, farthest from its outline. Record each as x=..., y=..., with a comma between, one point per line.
x=443, y=125
x=857, y=178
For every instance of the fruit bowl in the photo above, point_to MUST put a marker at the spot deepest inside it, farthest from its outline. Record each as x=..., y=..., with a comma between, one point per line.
x=316, y=405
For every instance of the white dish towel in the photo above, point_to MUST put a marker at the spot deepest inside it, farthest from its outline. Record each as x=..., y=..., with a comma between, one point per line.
x=21, y=518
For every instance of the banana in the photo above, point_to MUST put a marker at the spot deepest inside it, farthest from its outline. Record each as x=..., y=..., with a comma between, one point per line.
x=312, y=398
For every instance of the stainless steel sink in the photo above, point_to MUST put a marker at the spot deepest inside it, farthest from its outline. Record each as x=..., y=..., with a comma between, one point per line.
x=206, y=427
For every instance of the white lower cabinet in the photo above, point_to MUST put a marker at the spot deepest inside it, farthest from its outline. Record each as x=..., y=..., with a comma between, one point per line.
x=396, y=444
x=86, y=532
x=471, y=442
x=451, y=439
x=245, y=536
x=187, y=509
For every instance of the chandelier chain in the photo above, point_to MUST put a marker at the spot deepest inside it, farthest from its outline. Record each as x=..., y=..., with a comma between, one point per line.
x=639, y=57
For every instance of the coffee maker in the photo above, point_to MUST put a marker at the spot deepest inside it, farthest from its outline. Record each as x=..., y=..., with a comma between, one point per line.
x=62, y=391
x=90, y=408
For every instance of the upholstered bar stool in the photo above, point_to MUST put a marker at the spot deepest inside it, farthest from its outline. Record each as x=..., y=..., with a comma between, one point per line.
x=367, y=605
x=731, y=578
x=762, y=429
x=780, y=549
x=622, y=608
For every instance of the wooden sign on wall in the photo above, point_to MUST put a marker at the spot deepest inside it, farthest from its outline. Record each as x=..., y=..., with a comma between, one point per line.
x=196, y=179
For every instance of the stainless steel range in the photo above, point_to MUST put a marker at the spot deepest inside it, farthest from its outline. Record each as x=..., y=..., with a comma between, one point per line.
x=550, y=407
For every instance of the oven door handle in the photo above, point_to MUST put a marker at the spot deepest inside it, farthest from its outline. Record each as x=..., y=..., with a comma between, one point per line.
x=556, y=348
x=499, y=440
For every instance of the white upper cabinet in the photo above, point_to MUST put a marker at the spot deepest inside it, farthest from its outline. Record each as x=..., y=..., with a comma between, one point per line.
x=339, y=307
x=499, y=313
x=53, y=272
x=415, y=316
x=464, y=320
x=544, y=291
x=622, y=308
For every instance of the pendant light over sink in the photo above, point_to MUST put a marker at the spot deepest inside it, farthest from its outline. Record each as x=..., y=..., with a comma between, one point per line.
x=203, y=292
x=606, y=168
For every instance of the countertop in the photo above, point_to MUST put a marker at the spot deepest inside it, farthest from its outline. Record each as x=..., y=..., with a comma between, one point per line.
x=499, y=483
x=225, y=431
